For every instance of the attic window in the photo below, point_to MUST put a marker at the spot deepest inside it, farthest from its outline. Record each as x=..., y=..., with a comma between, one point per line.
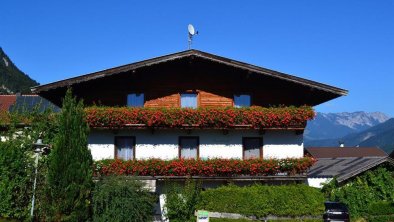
x=189, y=100
x=242, y=100
x=135, y=100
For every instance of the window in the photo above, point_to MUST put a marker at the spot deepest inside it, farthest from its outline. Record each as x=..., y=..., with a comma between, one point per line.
x=188, y=147
x=135, y=100
x=189, y=100
x=242, y=100
x=125, y=147
x=252, y=147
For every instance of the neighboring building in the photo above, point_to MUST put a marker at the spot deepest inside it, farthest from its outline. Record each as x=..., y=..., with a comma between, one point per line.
x=193, y=79
x=17, y=102
x=343, y=163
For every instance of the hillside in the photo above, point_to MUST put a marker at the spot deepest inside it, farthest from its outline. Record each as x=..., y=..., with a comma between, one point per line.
x=13, y=80
x=336, y=125
x=381, y=135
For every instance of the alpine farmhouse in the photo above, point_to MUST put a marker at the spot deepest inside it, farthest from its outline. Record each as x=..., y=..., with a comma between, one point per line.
x=194, y=104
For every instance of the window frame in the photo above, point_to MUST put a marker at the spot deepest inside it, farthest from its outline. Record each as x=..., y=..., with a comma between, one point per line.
x=240, y=94
x=124, y=137
x=260, y=149
x=180, y=145
x=136, y=93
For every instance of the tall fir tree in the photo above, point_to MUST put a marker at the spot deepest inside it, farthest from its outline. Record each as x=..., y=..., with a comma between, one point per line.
x=70, y=165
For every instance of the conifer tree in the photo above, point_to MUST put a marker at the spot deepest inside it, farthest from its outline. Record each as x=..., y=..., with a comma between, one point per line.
x=70, y=165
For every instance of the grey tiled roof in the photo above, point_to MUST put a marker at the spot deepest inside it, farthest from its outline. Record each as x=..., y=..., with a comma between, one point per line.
x=345, y=167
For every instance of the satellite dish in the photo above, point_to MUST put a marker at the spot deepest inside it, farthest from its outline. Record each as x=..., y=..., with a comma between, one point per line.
x=191, y=29
x=192, y=32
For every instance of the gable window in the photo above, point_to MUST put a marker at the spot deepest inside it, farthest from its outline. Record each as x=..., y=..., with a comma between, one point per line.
x=252, y=148
x=189, y=100
x=135, y=100
x=125, y=147
x=242, y=100
x=188, y=147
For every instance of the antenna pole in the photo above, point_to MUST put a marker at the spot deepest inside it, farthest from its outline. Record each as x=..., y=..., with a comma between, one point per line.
x=189, y=41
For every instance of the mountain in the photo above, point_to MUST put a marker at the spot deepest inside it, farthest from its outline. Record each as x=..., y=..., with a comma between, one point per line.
x=13, y=80
x=327, y=126
x=381, y=135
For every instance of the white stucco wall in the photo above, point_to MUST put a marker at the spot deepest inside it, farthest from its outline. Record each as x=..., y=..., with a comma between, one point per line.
x=282, y=144
x=317, y=182
x=213, y=143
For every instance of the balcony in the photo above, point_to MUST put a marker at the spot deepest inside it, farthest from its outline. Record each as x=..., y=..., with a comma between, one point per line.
x=203, y=118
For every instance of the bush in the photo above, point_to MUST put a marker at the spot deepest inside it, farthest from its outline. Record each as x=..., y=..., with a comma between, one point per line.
x=263, y=200
x=17, y=161
x=118, y=199
x=15, y=184
x=181, y=201
x=365, y=190
x=381, y=208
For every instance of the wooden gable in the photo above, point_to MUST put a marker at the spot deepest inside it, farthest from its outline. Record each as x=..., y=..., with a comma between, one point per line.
x=215, y=79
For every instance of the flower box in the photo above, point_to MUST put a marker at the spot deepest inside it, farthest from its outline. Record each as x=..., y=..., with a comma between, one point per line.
x=214, y=118
x=199, y=167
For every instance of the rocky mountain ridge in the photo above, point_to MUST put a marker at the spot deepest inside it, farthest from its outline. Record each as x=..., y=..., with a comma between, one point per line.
x=337, y=125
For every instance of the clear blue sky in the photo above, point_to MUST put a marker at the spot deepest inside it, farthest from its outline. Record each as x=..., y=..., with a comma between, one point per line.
x=348, y=44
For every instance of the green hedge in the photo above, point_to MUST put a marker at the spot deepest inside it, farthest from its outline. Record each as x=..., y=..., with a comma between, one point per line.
x=245, y=220
x=262, y=200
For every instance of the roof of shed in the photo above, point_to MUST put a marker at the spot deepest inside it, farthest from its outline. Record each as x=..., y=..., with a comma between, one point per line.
x=346, y=167
x=335, y=152
x=6, y=101
x=190, y=53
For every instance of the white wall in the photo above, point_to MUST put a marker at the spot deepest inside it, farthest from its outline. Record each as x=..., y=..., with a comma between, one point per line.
x=317, y=182
x=283, y=144
x=213, y=143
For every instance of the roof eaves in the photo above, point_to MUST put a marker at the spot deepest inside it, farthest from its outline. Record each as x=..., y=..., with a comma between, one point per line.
x=273, y=73
x=179, y=55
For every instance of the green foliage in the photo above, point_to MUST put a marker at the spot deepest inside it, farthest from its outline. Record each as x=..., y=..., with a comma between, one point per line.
x=16, y=162
x=246, y=220
x=181, y=201
x=372, y=187
x=381, y=208
x=70, y=166
x=262, y=200
x=119, y=199
x=15, y=184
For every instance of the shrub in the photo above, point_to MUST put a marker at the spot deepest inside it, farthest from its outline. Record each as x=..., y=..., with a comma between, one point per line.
x=17, y=161
x=381, y=208
x=181, y=201
x=373, y=186
x=15, y=183
x=70, y=166
x=118, y=199
x=263, y=200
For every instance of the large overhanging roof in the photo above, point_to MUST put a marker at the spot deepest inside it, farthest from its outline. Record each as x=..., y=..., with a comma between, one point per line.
x=184, y=54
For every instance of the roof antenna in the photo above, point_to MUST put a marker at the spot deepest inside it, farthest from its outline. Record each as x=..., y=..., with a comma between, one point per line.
x=192, y=32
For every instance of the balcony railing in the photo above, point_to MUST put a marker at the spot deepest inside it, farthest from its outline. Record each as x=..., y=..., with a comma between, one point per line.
x=215, y=118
